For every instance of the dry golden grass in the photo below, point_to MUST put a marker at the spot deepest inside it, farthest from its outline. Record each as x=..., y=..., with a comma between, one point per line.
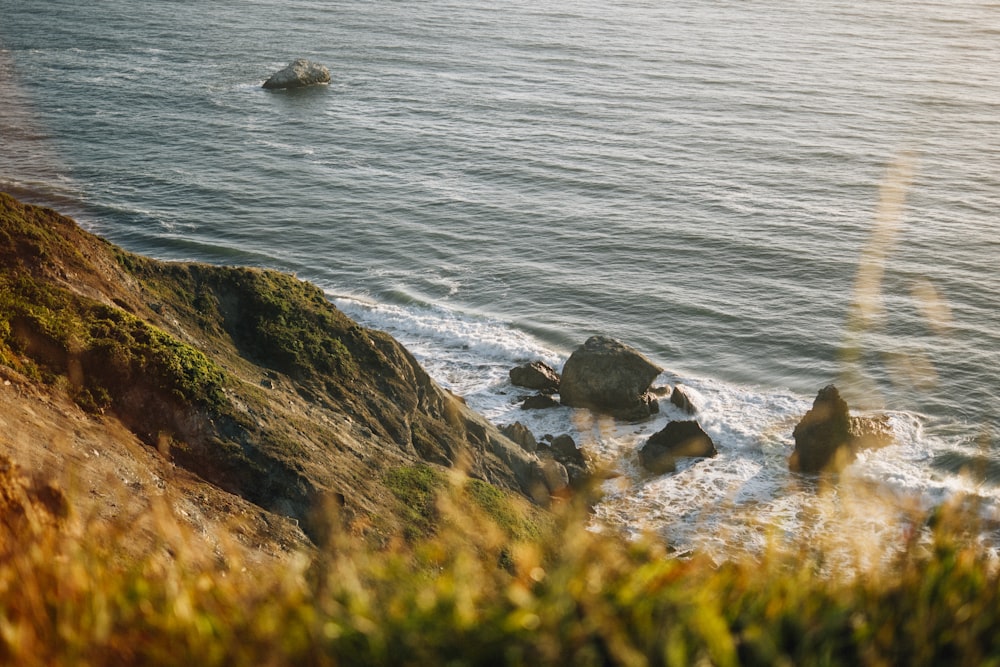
x=467, y=594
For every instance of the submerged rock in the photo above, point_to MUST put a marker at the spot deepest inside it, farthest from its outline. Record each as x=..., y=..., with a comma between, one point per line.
x=871, y=432
x=828, y=438
x=536, y=375
x=539, y=402
x=678, y=439
x=607, y=376
x=297, y=74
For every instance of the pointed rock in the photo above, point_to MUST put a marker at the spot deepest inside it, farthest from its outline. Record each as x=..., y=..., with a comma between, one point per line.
x=520, y=434
x=828, y=438
x=679, y=398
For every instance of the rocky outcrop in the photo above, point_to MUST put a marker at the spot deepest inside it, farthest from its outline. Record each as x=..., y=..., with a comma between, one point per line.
x=565, y=450
x=536, y=375
x=519, y=433
x=299, y=73
x=250, y=379
x=827, y=438
x=678, y=439
x=607, y=376
x=556, y=475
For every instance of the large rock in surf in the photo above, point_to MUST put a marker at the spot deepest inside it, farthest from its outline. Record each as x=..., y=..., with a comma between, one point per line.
x=828, y=438
x=608, y=376
x=298, y=74
x=536, y=375
x=677, y=439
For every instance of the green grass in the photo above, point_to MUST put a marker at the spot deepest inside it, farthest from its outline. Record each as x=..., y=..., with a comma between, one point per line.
x=102, y=351
x=419, y=491
x=273, y=318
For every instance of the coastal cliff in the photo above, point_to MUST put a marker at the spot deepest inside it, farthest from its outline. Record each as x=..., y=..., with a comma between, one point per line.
x=244, y=390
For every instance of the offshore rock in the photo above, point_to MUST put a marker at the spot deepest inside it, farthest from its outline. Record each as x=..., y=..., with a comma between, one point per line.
x=297, y=74
x=536, y=375
x=682, y=401
x=677, y=439
x=823, y=436
x=828, y=438
x=610, y=377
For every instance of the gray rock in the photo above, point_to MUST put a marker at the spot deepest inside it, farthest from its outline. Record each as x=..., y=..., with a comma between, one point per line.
x=536, y=375
x=607, y=376
x=520, y=434
x=556, y=475
x=677, y=439
x=565, y=450
x=299, y=73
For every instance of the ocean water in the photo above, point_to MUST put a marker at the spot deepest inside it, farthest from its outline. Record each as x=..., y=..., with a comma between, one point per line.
x=763, y=196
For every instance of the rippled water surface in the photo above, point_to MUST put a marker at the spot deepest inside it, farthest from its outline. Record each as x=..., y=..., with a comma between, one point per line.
x=763, y=196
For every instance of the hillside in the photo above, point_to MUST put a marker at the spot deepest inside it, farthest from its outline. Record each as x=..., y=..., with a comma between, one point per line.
x=240, y=392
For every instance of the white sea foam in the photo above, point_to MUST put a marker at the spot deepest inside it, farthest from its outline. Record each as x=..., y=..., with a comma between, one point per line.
x=743, y=499
x=469, y=355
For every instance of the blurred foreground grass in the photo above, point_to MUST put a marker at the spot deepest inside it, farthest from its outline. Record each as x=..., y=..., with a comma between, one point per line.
x=466, y=591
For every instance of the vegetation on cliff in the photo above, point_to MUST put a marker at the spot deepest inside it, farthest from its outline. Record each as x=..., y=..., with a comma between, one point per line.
x=249, y=378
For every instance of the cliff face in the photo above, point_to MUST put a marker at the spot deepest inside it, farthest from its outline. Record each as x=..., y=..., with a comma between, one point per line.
x=249, y=379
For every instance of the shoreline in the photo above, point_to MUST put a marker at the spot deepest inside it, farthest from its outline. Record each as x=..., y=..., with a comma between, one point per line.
x=752, y=426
